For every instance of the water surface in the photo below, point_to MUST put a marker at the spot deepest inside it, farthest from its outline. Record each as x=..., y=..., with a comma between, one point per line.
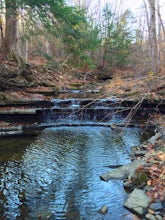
x=56, y=175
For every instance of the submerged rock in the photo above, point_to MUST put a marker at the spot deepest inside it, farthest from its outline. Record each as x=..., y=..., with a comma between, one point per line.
x=103, y=210
x=137, y=202
x=156, y=206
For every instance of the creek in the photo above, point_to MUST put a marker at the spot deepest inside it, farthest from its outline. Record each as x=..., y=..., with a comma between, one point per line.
x=56, y=175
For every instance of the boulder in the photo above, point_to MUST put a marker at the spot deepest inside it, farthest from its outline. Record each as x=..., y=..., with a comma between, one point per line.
x=154, y=138
x=138, y=180
x=158, y=217
x=150, y=217
x=123, y=172
x=137, y=202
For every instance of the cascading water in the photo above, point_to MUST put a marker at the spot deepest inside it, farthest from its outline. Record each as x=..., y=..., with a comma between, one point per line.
x=56, y=175
x=81, y=111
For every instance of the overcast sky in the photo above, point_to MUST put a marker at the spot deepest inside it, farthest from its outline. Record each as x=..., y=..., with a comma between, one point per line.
x=133, y=5
x=118, y=7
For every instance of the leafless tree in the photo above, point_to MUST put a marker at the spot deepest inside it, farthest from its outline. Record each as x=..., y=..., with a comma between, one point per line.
x=153, y=37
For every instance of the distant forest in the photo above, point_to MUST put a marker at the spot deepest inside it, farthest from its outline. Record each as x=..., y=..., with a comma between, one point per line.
x=86, y=34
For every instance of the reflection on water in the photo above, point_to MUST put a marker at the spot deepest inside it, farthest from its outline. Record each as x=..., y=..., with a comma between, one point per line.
x=57, y=175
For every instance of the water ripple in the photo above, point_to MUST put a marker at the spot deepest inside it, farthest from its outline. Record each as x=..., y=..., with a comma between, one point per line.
x=58, y=175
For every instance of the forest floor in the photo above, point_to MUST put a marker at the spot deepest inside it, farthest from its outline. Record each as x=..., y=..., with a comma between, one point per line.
x=20, y=80
x=38, y=81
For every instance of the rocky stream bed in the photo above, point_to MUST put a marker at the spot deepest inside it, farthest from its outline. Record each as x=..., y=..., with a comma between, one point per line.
x=144, y=179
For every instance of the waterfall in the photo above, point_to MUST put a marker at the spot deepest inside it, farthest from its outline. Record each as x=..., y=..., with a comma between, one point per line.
x=80, y=110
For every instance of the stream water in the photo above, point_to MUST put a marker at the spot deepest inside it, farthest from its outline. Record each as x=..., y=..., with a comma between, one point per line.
x=55, y=176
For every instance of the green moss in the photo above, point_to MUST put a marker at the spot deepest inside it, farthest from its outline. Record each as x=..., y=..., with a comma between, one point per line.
x=76, y=85
x=133, y=93
x=163, y=150
x=140, y=178
x=3, y=96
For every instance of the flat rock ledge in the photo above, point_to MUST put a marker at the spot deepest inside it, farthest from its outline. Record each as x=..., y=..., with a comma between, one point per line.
x=122, y=172
x=11, y=131
x=137, y=202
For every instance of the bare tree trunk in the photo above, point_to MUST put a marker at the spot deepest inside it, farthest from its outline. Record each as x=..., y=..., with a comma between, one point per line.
x=22, y=42
x=1, y=34
x=159, y=32
x=148, y=23
x=161, y=35
x=160, y=20
x=11, y=27
x=153, y=37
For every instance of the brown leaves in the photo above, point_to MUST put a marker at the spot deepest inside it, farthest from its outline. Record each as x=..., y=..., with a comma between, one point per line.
x=161, y=156
x=155, y=170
